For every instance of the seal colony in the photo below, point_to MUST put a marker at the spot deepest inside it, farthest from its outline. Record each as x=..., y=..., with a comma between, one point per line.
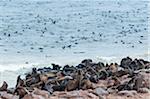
x=87, y=80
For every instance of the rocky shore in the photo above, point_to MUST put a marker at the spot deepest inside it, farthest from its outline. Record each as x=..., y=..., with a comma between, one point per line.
x=87, y=80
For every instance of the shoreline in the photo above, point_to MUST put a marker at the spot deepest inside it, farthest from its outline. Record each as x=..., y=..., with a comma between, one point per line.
x=23, y=68
x=103, y=85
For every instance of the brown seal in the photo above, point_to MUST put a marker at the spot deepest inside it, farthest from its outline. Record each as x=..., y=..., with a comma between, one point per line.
x=76, y=82
x=4, y=86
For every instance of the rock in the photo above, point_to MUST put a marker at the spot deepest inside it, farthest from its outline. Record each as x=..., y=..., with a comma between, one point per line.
x=43, y=93
x=6, y=95
x=80, y=94
x=92, y=96
x=144, y=90
x=33, y=96
x=100, y=91
x=11, y=90
x=28, y=96
x=128, y=93
x=111, y=90
x=146, y=79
